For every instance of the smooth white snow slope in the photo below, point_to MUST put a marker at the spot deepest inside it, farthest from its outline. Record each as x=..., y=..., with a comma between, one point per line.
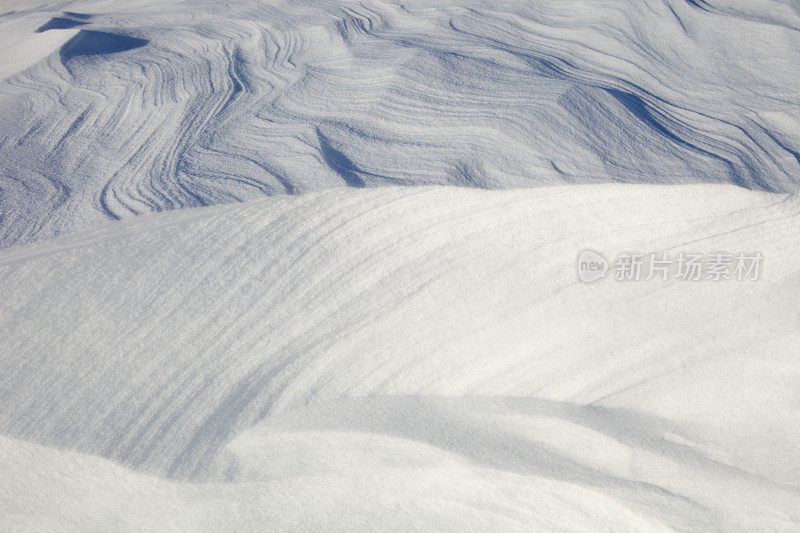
x=156, y=105
x=412, y=358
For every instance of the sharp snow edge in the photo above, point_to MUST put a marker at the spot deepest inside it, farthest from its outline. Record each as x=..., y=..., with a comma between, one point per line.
x=166, y=105
x=422, y=354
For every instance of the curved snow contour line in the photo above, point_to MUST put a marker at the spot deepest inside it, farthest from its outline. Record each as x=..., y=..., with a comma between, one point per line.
x=366, y=334
x=193, y=103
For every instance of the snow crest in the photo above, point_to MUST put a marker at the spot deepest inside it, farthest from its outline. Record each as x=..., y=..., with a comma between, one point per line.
x=167, y=105
x=312, y=265
x=420, y=335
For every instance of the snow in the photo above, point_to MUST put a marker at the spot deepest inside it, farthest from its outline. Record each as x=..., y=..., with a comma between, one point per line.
x=360, y=348
x=22, y=47
x=314, y=265
x=174, y=104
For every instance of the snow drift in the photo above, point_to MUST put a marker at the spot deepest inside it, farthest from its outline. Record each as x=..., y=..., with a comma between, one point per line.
x=311, y=265
x=339, y=358
x=155, y=105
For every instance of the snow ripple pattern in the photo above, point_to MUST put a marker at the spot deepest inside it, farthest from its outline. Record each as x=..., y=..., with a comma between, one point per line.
x=355, y=351
x=167, y=105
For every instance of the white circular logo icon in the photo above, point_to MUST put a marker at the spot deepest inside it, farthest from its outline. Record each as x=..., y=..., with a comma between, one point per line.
x=591, y=266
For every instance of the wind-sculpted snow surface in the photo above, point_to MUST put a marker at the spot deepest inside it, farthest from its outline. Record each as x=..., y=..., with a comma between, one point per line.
x=146, y=106
x=316, y=315
x=406, y=359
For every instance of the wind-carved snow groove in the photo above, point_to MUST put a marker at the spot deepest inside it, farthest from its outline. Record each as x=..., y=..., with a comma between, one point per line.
x=195, y=104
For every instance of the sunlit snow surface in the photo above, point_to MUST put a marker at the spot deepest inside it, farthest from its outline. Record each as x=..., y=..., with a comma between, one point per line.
x=160, y=105
x=352, y=331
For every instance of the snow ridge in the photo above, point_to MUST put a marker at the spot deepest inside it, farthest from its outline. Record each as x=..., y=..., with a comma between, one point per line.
x=311, y=265
x=447, y=325
x=192, y=104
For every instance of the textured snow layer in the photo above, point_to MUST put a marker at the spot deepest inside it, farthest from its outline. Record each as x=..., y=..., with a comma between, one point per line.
x=368, y=315
x=423, y=355
x=159, y=105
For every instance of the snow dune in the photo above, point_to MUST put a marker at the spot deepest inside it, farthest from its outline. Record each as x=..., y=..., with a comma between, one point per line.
x=311, y=265
x=354, y=358
x=21, y=46
x=152, y=106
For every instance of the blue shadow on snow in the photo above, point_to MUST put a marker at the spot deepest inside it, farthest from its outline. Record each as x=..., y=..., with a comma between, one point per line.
x=91, y=43
x=339, y=162
x=59, y=23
